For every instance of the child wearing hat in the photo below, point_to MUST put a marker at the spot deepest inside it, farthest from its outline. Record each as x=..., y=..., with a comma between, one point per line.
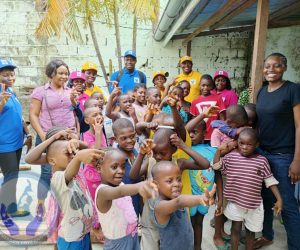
x=90, y=70
x=223, y=88
x=159, y=79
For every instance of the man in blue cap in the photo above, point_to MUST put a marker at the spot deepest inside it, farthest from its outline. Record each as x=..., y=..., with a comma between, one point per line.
x=128, y=77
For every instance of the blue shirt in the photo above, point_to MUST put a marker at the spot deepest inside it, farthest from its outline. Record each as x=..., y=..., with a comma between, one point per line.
x=128, y=80
x=11, y=125
x=167, y=109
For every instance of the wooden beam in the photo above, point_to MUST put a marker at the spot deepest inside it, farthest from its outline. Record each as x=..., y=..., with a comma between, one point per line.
x=238, y=10
x=189, y=48
x=219, y=13
x=286, y=11
x=260, y=39
x=283, y=23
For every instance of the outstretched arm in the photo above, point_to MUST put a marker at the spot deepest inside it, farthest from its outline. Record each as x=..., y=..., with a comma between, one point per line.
x=111, y=103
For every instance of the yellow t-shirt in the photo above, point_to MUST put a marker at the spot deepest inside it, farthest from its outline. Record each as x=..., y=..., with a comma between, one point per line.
x=194, y=80
x=89, y=91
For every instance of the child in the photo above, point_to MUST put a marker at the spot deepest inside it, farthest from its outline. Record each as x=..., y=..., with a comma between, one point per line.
x=114, y=204
x=169, y=213
x=236, y=117
x=125, y=136
x=69, y=188
x=159, y=79
x=246, y=171
x=126, y=109
x=140, y=100
x=206, y=100
x=185, y=85
x=201, y=179
x=100, y=98
x=165, y=144
x=177, y=94
x=224, y=89
x=77, y=83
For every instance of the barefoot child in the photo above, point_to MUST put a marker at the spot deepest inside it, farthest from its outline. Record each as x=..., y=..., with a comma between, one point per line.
x=169, y=213
x=246, y=171
x=114, y=204
x=69, y=188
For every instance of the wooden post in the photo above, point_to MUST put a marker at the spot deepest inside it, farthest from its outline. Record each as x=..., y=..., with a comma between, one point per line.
x=189, y=48
x=259, y=48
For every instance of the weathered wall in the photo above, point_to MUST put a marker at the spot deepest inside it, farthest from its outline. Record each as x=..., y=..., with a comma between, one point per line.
x=230, y=51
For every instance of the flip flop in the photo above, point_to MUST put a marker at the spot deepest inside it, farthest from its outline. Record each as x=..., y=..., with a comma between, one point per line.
x=226, y=237
x=33, y=226
x=222, y=246
x=8, y=222
x=261, y=242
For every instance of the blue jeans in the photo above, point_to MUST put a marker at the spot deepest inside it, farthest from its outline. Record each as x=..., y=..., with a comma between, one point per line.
x=44, y=181
x=280, y=164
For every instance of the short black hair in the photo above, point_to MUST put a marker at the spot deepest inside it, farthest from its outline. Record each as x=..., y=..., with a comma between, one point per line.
x=249, y=132
x=54, y=130
x=149, y=90
x=87, y=102
x=140, y=85
x=250, y=106
x=162, y=136
x=281, y=56
x=184, y=81
x=121, y=123
x=121, y=96
x=201, y=125
x=87, y=111
x=161, y=165
x=237, y=113
x=51, y=68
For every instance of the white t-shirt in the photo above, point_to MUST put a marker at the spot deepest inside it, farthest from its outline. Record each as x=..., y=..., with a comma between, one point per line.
x=76, y=205
x=120, y=220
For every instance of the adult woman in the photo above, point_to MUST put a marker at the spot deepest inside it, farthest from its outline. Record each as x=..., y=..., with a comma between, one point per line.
x=51, y=106
x=11, y=139
x=223, y=88
x=278, y=112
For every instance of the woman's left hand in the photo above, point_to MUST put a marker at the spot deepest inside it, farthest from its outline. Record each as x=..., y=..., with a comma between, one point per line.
x=28, y=143
x=294, y=171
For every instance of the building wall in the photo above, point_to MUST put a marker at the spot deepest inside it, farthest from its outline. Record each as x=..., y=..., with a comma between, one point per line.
x=230, y=52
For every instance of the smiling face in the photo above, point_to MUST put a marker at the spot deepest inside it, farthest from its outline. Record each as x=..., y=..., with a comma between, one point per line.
x=126, y=138
x=113, y=168
x=61, y=76
x=168, y=180
x=90, y=76
x=247, y=145
x=206, y=86
x=9, y=76
x=274, y=69
x=129, y=62
x=125, y=103
x=140, y=95
x=78, y=84
x=186, y=67
x=186, y=88
x=94, y=114
x=177, y=92
x=220, y=83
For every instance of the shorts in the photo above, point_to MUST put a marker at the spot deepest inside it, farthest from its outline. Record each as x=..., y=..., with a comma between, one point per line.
x=83, y=244
x=125, y=243
x=252, y=218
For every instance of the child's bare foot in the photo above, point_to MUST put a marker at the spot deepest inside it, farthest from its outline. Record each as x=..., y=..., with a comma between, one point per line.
x=226, y=236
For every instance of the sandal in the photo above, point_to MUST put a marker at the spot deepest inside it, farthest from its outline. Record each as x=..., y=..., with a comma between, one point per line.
x=225, y=246
x=262, y=242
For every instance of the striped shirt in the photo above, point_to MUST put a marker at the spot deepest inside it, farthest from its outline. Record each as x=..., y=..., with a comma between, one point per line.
x=245, y=176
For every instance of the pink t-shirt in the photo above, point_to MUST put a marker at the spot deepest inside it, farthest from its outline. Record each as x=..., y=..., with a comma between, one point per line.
x=59, y=107
x=229, y=97
x=82, y=99
x=140, y=112
x=218, y=138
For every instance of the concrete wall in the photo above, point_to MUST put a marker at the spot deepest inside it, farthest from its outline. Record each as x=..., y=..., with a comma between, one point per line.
x=230, y=52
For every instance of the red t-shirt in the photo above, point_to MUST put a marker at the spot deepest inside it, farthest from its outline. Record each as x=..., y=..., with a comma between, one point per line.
x=201, y=104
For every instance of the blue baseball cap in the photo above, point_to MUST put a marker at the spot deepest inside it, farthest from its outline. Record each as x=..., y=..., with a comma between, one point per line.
x=7, y=64
x=131, y=53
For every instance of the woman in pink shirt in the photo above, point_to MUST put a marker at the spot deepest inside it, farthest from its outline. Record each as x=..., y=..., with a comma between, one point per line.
x=223, y=88
x=50, y=106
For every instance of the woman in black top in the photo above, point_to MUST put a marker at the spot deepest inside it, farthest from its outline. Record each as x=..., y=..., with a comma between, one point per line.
x=278, y=112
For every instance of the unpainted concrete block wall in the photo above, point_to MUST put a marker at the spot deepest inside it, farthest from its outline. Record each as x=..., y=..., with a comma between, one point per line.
x=231, y=52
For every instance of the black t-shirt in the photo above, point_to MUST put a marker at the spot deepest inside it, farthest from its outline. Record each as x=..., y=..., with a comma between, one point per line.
x=276, y=118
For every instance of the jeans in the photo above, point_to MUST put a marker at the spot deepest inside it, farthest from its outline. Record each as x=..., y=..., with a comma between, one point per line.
x=280, y=164
x=9, y=164
x=44, y=181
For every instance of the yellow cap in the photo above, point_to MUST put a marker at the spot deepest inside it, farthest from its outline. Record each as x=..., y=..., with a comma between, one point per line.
x=186, y=58
x=89, y=66
x=159, y=73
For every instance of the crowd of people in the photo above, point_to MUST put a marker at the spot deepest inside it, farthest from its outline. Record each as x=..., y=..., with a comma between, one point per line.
x=149, y=161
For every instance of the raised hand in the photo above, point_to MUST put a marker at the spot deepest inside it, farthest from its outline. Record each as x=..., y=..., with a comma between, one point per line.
x=74, y=96
x=177, y=141
x=146, y=147
x=73, y=146
x=152, y=109
x=115, y=92
x=148, y=189
x=98, y=125
x=211, y=111
x=131, y=111
x=91, y=156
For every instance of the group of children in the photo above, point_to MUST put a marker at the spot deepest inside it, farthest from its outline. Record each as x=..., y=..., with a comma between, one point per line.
x=144, y=158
